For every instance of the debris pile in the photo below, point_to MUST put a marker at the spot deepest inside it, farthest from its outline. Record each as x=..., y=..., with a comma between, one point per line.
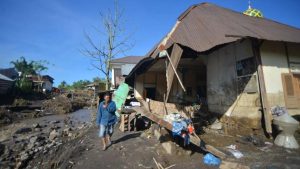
x=58, y=105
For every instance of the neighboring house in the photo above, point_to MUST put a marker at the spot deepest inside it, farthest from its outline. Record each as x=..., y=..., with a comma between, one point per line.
x=121, y=67
x=240, y=65
x=95, y=88
x=10, y=73
x=7, y=79
x=6, y=84
x=41, y=83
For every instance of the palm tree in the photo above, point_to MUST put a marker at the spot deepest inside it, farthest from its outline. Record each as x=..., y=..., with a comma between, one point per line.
x=23, y=66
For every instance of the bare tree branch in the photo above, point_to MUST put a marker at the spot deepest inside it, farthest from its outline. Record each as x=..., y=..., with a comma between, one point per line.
x=113, y=41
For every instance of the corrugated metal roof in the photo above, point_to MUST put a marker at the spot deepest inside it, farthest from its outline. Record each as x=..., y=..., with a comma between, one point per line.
x=9, y=72
x=205, y=26
x=2, y=77
x=128, y=59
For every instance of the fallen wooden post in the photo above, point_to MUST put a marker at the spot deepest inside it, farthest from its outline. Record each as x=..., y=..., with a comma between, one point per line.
x=193, y=139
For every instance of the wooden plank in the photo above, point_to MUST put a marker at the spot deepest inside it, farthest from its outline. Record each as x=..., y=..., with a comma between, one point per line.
x=261, y=81
x=172, y=66
x=193, y=138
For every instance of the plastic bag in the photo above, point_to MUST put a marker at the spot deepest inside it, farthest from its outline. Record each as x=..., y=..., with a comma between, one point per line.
x=210, y=159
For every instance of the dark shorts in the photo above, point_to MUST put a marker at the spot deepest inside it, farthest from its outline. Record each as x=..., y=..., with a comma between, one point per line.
x=106, y=130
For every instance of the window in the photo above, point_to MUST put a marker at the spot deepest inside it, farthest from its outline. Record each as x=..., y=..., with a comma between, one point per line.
x=245, y=67
x=246, y=79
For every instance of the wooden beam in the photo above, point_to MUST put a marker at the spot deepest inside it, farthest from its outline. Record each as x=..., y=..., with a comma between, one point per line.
x=194, y=139
x=262, y=87
x=171, y=69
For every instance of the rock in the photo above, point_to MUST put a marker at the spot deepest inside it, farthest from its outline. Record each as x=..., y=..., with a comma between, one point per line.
x=23, y=130
x=30, y=145
x=81, y=126
x=157, y=134
x=169, y=147
x=24, y=156
x=35, y=139
x=40, y=148
x=36, y=125
x=54, y=122
x=66, y=131
x=53, y=134
x=217, y=125
x=38, y=129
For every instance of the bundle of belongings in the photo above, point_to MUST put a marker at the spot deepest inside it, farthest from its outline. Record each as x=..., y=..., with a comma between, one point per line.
x=180, y=126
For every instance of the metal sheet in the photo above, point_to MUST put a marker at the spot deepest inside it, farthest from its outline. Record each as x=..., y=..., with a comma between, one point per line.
x=205, y=26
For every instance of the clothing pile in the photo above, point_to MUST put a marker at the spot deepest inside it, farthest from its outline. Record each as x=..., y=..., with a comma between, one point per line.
x=180, y=126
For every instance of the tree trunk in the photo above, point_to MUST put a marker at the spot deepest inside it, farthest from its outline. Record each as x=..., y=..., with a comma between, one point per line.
x=107, y=84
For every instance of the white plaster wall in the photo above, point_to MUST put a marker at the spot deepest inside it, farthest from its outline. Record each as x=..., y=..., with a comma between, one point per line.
x=274, y=63
x=47, y=85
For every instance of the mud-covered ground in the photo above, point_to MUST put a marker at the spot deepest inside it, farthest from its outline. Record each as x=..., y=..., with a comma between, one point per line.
x=258, y=151
x=24, y=140
x=130, y=150
x=75, y=144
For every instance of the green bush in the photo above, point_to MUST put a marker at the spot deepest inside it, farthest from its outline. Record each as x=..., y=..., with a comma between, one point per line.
x=25, y=85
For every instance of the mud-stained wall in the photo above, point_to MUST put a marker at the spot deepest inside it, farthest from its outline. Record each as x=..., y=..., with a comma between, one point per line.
x=152, y=79
x=190, y=72
x=275, y=62
x=223, y=93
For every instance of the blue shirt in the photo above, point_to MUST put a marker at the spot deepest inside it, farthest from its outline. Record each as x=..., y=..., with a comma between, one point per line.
x=106, y=116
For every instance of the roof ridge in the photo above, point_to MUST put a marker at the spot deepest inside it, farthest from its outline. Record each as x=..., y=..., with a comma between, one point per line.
x=186, y=12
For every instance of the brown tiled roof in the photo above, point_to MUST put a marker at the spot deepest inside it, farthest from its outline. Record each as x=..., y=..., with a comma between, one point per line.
x=128, y=59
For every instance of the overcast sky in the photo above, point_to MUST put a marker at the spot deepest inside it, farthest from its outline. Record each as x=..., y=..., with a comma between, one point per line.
x=53, y=30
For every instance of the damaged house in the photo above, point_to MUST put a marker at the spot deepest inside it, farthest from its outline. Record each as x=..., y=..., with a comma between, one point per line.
x=237, y=66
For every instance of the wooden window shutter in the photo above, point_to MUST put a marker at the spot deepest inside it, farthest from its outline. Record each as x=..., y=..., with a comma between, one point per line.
x=289, y=90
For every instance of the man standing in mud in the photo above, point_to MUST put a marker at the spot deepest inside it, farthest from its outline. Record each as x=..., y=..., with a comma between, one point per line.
x=106, y=119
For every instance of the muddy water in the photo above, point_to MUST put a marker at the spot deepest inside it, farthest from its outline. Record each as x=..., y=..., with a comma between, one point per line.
x=76, y=119
x=82, y=115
